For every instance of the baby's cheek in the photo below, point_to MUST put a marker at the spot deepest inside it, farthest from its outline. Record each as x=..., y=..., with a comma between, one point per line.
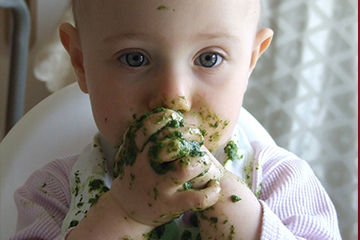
x=215, y=128
x=111, y=126
x=217, y=135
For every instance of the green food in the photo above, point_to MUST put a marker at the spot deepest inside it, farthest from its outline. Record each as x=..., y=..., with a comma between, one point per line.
x=92, y=201
x=232, y=232
x=74, y=223
x=99, y=187
x=162, y=168
x=235, y=198
x=231, y=151
x=203, y=173
x=162, y=7
x=97, y=184
x=187, y=186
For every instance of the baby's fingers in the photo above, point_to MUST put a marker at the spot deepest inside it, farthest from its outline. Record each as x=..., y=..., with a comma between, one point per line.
x=202, y=179
x=173, y=148
x=151, y=123
x=168, y=150
x=188, y=168
x=196, y=200
x=188, y=132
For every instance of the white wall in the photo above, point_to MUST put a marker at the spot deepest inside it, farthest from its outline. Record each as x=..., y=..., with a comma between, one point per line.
x=48, y=13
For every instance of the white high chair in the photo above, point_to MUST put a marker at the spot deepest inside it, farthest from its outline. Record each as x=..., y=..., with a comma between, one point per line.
x=60, y=125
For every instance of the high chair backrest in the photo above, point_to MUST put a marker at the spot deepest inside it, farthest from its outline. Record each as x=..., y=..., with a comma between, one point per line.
x=61, y=125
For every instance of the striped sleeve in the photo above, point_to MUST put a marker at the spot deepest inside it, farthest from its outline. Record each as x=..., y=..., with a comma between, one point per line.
x=43, y=201
x=295, y=204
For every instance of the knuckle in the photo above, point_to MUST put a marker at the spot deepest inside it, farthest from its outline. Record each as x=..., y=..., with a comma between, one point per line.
x=201, y=201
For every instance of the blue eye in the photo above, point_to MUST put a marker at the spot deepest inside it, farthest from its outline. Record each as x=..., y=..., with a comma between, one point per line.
x=133, y=59
x=209, y=59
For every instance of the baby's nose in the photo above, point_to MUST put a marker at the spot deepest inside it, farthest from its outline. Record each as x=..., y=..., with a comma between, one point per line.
x=172, y=88
x=170, y=93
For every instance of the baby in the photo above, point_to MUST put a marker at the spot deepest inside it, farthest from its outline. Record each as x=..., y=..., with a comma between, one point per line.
x=166, y=81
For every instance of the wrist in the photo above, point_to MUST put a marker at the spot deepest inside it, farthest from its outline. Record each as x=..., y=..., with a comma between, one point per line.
x=236, y=215
x=106, y=220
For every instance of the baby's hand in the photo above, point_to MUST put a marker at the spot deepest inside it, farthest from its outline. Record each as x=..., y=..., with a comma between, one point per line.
x=163, y=171
x=236, y=215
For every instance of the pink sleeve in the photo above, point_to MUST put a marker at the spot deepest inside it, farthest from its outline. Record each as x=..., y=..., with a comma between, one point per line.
x=295, y=204
x=43, y=201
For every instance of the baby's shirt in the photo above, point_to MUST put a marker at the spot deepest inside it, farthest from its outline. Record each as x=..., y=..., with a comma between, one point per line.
x=294, y=204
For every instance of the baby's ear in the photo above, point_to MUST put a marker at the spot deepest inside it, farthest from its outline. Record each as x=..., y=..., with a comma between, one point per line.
x=70, y=39
x=262, y=42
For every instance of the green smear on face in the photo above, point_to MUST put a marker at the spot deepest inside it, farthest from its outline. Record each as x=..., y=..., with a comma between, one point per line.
x=162, y=7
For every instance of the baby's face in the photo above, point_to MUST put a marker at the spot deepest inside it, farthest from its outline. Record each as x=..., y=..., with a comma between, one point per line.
x=189, y=55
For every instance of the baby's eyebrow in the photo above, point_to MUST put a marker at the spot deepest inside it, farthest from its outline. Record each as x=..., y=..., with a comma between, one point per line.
x=143, y=36
x=216, y=35
x=126, y=36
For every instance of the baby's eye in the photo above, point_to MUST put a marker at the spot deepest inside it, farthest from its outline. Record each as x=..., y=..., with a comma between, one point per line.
x=209, y=59
x=133, y=59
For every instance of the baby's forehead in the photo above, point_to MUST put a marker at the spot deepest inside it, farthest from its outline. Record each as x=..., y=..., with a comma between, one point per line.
x=83, y=9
